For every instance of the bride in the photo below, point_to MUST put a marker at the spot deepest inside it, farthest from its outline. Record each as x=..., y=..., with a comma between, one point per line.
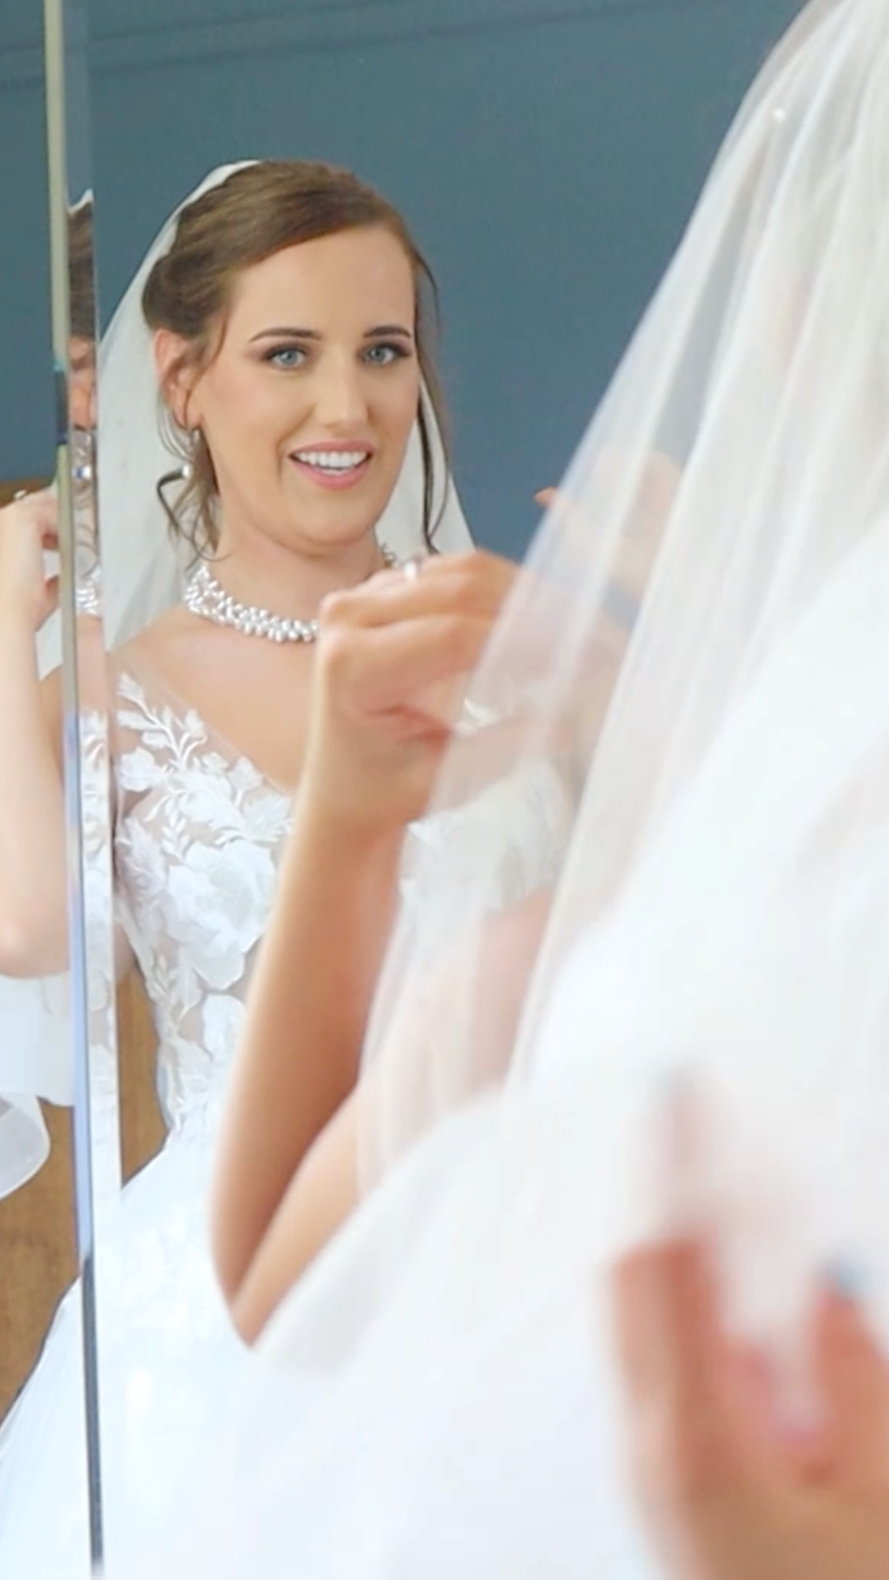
x=697, y=1045
x=286, y=312
x=35, y=1055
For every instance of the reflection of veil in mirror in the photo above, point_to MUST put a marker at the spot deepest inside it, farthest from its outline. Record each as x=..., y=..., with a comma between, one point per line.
x=142, y=574
x=82, y=373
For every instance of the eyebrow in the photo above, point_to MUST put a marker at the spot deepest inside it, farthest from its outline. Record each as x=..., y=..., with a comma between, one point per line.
x=389, y=329
x=289, y=332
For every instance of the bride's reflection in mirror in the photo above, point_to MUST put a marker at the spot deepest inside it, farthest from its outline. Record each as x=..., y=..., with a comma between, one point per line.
x=270, y=432
x=82, y=378
x=58, y=1031
x=37, y=1222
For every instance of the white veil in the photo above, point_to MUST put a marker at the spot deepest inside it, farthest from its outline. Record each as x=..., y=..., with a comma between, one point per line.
x=24, y=1142
x=441, y=1396
x=142, y=576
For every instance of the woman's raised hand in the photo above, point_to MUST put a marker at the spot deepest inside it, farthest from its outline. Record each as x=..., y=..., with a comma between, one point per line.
x=728, y=1492
x=28, y=529
x=394, y=657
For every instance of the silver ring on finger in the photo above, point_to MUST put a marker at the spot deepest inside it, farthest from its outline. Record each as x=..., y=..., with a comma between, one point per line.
x=411, y=567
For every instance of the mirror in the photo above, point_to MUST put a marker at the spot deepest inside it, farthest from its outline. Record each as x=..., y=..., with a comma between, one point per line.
x=545, y=156
x=87, y=784
x=61, y=1027
x=36, y=1211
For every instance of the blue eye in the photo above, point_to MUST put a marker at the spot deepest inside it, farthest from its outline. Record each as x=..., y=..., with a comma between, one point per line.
x=383, y=355
x=286, y=357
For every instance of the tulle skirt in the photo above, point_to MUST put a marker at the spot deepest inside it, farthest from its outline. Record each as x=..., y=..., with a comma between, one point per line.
x=459, y=1420
x=439, y=1396
x=170, y=1366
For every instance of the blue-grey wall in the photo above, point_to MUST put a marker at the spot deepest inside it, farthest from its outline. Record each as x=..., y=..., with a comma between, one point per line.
x=546, y=152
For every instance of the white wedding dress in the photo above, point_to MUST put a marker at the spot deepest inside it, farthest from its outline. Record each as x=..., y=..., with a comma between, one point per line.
x=198, y=835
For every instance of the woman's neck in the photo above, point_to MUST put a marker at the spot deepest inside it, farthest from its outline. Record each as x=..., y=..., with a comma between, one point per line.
x=291, y=582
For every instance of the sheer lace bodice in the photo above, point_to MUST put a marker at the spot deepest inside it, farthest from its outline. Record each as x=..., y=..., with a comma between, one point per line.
x=199, y=834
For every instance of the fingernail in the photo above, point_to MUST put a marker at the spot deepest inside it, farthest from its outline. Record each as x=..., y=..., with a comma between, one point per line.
x=847, y=1278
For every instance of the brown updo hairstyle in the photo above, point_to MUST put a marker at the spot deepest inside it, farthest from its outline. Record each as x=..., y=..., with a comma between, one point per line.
x=253, y=214
x=80, y=271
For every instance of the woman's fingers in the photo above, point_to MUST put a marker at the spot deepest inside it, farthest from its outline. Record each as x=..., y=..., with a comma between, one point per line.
x=853, y=1379
x=701, y=1411
x=41, y=505
x=384, y=668
x=470, y=584
x=384, y=645
x=665, y=1325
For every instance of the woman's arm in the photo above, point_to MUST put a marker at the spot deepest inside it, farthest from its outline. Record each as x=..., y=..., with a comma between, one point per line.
x=323, y=1189
x=306, y=1016
x=33, y=917
x=389, y=656
x=371, y=757
x=322, y=1194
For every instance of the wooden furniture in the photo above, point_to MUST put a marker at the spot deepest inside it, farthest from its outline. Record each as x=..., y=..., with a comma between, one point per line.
x=10, y=487
x=37, y=1254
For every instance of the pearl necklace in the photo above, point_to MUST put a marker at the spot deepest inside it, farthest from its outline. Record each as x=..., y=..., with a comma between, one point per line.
x=204, y=597
x=88, y=595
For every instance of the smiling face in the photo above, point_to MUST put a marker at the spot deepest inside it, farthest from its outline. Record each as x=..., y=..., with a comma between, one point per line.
x=308, y=403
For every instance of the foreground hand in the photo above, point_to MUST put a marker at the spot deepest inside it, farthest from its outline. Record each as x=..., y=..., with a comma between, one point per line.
x=28, y=527
x=394, y=657
x=728, y=1493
